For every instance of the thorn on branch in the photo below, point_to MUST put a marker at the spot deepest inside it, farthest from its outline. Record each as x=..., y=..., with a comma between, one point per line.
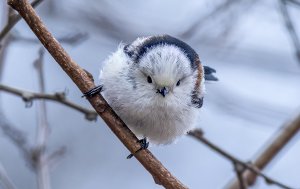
x=60, y=95
x=27, y=98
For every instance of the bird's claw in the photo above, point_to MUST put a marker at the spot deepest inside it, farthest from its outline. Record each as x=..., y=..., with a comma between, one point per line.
x=93, y=91
x=144, y=145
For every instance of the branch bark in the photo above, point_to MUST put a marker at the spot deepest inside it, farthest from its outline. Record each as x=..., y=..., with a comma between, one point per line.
x=85, y=83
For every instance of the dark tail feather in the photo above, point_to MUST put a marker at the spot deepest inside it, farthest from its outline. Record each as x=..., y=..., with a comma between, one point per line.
x=208, y=74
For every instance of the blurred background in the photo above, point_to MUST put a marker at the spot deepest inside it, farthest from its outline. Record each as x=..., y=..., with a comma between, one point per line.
x=253, y=45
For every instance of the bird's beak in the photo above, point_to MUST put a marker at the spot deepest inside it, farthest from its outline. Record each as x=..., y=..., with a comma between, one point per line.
x=163, y=91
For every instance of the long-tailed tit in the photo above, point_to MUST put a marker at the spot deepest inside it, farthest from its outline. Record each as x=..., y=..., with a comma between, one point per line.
x=156, y=86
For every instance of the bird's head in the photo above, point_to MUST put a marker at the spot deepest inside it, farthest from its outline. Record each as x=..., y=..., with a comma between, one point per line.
x=165, y=69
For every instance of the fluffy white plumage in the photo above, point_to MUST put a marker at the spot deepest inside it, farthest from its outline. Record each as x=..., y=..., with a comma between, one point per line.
x=149, y=114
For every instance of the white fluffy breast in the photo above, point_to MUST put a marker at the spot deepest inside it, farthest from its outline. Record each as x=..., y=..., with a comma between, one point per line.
x=147, y=113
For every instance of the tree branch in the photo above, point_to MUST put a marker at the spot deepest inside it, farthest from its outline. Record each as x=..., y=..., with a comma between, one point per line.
x=41, y=168
x=5, y=44
x=5, y=180
x=239, y=173
x=17, y=137
x=13, y=19
x=290, y=26
x=285, y=134
x=70, y=39
x=85, y=83
x=295, y=2
x=28, y=97
x=198, y=134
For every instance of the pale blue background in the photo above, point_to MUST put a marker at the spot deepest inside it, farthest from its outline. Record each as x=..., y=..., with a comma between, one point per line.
x=258, y=92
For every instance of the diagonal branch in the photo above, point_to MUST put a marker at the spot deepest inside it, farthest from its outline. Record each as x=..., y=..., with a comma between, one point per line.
x=28, y=97
x=286, y=133
x=84, y=83
x=198, y=134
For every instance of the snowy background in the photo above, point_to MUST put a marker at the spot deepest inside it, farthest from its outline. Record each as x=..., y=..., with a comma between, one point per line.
x=258, y=92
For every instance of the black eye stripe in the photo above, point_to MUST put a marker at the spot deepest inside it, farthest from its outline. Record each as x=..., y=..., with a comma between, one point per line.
x=149, y=79
x=178, y=83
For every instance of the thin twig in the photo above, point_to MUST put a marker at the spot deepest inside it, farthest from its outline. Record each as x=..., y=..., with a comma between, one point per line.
x=41, y=168
x=290, y=27
x=295, y=2
x=222, y=7
x=198, y=134
x=13, y=19
x=277, y=143
x=29, y=96
x=85, y=83
x=5, y=44
x=70, y=39
x=239, y=172
x=5, y=180
x=16, y=136
x=53, y=158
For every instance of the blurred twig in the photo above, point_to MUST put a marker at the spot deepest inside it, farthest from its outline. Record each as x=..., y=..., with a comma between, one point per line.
x=41, y=166
x=228, y=12
x=5, y=180
x=85, y=83
x=198, y=134
x=110, y=26
x=289, y=25
x=71, y=39
x=16, y=136
x=285, y=134
x=13, y=19
x=295, y=2
x=55, y=156
x=3, y=51
x=5, y=43
x=225, y=5
x=28, y=97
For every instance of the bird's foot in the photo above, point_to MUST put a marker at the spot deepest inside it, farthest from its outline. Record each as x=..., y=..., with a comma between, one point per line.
x=93, y=92
x=144, y=145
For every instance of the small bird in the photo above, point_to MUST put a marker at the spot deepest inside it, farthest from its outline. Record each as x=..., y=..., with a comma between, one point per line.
x=156, y=86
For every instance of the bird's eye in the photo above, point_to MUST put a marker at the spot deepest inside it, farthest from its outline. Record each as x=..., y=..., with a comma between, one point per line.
x=178, y=83
x=149, y=79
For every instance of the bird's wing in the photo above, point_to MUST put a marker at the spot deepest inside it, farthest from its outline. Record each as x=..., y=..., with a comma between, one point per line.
x=208, y=74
